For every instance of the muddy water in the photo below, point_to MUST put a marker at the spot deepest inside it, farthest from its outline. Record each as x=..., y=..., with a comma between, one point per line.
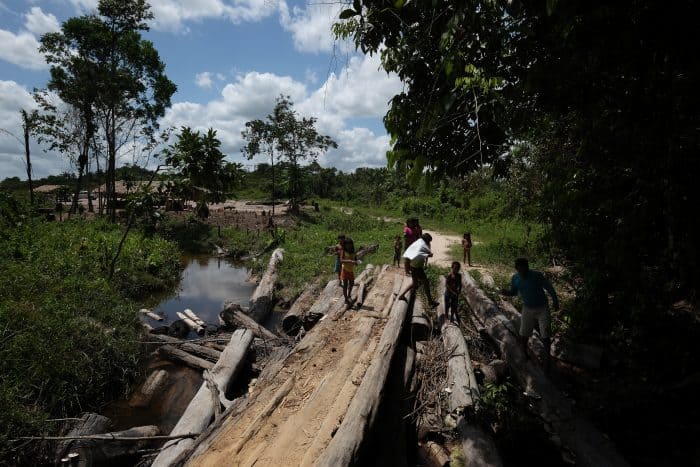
x=205, y=284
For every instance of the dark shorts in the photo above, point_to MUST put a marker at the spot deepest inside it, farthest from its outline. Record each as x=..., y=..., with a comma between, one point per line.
x=397, y=255
x=451, y=300
x=419, y=275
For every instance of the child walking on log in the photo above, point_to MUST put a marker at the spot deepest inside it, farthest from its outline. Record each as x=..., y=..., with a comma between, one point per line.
x=453, y=283
x=348, y=260
x=418, y=254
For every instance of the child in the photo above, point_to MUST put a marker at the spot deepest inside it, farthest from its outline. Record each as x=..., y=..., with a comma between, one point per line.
x=417, y=254
x=409, y=237
x=397, y=251
x=452, y=291
x=348, y=259
x=338, y=254
x=467, y=245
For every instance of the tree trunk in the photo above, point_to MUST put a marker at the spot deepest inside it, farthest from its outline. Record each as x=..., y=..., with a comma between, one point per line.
x=232, y=315
x=360, y=416
x=89, y=424
x=27, y=128
x=590, y=446
x=173, y=353
x=153, y=384
x=420, y=324
x=262, y=301
x=191, y=315
x=95, y=452
x=365, y=250
x=202, y=407
x=189, y=347
x=199, y=330
x=294, y=319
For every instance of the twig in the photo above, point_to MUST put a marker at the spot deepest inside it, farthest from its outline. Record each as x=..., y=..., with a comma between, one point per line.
x=107, y=437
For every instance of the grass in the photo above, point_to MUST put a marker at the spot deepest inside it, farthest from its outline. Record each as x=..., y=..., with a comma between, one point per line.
x=69, y=337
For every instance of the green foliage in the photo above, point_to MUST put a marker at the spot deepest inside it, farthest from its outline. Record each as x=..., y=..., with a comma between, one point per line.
x=70, y=338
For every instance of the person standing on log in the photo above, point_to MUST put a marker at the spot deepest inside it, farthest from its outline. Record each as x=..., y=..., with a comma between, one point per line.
x=348, y=260
x=453, y=287
x=467, y=246
x=338, y=254
x=531, y=285
x=417, y=255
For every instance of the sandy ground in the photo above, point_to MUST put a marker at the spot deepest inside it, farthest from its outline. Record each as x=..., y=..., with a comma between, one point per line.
x=441, y=245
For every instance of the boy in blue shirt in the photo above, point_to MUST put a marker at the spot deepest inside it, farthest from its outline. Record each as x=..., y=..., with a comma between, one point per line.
x=531, y=285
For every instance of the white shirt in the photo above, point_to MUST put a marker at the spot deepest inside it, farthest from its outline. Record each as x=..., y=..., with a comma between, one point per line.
x=418, y=252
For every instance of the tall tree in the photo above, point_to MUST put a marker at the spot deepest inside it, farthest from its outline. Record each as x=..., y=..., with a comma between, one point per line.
x=292, y=138
x=102, y=65
x=203, y=167
x=262, y=137
x=30, y=126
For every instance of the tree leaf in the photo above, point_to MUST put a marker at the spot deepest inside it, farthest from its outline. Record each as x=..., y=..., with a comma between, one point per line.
x=349, y=13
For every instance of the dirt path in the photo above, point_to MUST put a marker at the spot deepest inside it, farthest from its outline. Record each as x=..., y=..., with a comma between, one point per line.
x=441, y=245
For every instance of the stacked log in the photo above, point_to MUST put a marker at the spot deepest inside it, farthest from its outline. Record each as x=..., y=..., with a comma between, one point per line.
x=206, y=403
x=478, y=447
x=109, y=449
x=262, y=301
x=421, y=326
x=294, y=319
x=232, y=315
x=192, y=324
x=590, y=446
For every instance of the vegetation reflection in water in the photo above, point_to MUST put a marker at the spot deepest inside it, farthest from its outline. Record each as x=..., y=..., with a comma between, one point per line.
x=205, y=284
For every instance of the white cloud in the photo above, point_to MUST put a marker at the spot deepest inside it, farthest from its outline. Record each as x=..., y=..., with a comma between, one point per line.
x=203, y=80
x=171, y=15
x=37, y=22
x=359, y=91
x=21, y=49
x=310, y=26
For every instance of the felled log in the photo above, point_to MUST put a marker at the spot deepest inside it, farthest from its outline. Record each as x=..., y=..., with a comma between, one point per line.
x=365, y=250
x=202, y=407
x=150, y=314
x=89, y=424
x=262, y=301
x=433, y=454
x=171, y=352
x=365, y=279
x=94, y=452
x=189, y=347
x=199, y=330
x=420, y=324
x=590, y=447
x=294, y=319
x=191, y=315
x=478, y=447
x=232, y=315
x=360, y=416
x=153, y=384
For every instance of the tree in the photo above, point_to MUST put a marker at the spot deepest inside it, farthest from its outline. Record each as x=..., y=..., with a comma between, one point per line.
x=287, y=136
x=101, y=65
x=203, y=168
x=605, y=94
x=29, y=128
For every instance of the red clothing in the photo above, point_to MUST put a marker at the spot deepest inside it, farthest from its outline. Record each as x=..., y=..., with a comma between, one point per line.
x=409, y=236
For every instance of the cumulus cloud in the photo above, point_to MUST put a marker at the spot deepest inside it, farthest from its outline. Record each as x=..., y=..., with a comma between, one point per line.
x=22, y=48
x=172, y=15
x=358, y=91
x=310, y=26
x=37, y=22
x=203, y=80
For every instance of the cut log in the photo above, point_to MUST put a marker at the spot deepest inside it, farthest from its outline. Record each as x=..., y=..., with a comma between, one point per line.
x=197, y=350
x=150, y=314
x=199, y=330
x=153, y=384
x=590, y=446
x=201, y=409
x=191, y=315
x=360, y=416
x=365, y=250
x=262, y=301
x=434, y=455
x=173, y=353
x=365, y=279
x=233, y=316
x=94, y=452
x=478, y=447
x=420, y=324
x=89, y=424
x=294, y=319
x=330, y=296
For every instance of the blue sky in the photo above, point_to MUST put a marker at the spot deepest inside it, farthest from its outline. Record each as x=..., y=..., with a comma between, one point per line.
x=230, y=59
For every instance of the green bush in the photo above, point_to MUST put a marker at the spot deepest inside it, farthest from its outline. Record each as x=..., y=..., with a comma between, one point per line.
x=70, y=339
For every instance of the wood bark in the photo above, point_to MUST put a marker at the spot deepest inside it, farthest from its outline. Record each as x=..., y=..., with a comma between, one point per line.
x=94, y=452
x=590, y=446
x=434, y=454
x=365, y=279
x=197, y=350
x=420, y=324
x=193, y=316
x=150, y=314
x=262, y=301
x=153, y=384
x=201, y=409
x=233, y=316
x=199, y=330
x=478, y=447
x=89, y=424
x=360, y=416
x=294, y=319
x=172, y=353
x=365, y=250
